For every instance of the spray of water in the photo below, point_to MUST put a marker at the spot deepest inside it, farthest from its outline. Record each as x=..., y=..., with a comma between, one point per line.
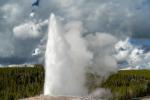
x=69, y=54
x=61, y=77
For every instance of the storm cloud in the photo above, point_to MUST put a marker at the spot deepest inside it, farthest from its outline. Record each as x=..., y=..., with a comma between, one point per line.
x=20, y=34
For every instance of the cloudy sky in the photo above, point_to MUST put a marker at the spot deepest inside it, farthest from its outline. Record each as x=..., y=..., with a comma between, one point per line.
x=21, y=35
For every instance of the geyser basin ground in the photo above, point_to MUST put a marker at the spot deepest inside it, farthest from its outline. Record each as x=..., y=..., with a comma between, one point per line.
x=57, y=98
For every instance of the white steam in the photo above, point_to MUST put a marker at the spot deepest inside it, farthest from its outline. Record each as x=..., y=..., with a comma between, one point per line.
x=62, y=77
x=101, y=45
x=101, y=94
x=69, y=54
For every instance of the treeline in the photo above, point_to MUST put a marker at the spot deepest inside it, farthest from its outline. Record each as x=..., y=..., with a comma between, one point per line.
x=16, y=83
x=124, y=85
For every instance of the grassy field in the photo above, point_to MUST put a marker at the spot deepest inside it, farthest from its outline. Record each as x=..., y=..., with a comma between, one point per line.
x=125, y=85
x=25, y=82
x=18, y=83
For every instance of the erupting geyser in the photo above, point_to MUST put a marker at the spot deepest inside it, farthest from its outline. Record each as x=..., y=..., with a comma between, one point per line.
x=61, y=77
x=68, y=56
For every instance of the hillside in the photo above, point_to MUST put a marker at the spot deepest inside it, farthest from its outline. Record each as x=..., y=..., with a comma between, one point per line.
x=26, y=82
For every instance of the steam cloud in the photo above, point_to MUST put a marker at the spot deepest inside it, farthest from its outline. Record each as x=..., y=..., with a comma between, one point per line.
x=69, y=55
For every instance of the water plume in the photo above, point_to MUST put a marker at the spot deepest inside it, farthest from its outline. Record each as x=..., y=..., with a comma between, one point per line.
x=61, y=77
x=70, y=55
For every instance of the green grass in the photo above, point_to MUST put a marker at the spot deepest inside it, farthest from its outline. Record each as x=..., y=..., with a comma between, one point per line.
x=16, y=83
x=129, y=84
x=125, y=85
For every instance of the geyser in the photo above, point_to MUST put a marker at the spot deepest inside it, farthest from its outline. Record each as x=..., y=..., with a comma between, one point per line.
x=61, y=77
x=69, y=55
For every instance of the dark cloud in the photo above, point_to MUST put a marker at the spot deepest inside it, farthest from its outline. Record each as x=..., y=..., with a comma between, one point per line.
x=12, y=60
x=117, y=17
